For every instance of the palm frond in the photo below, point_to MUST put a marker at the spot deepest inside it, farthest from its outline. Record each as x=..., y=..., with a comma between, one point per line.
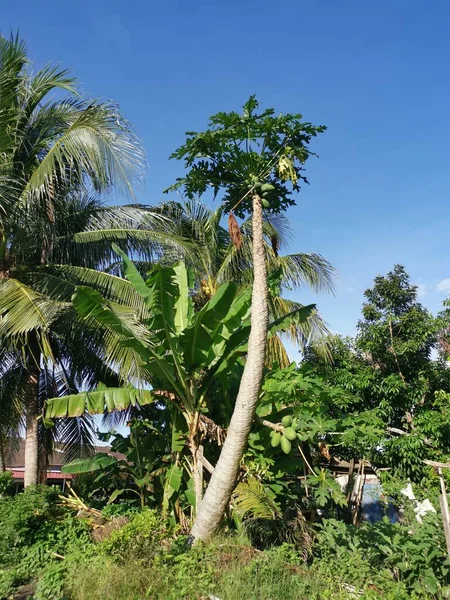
x=251, y=499
x=23, y=310
x=96, y=142
x=304, y=270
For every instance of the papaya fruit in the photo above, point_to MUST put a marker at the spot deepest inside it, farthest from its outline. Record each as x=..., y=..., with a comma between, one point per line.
x=286, y=445
x=286, y=421
x=276, y=439
x=290, y=433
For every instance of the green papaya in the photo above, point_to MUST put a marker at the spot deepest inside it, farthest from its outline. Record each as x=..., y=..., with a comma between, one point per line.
x=276, y=439
x=265, y=203
x=286, y=421
x=267, y=187
x=295, y=424
x=286, y=445
x=290, y=433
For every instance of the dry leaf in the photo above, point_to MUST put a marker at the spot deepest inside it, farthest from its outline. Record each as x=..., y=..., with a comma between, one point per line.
x=275, y=244
x=234, y=231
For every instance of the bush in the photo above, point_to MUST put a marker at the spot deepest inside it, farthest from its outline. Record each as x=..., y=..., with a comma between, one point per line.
x=6, y=483
x=38, y=537
x=387, y=556
x=142, y=537
x=22, y=518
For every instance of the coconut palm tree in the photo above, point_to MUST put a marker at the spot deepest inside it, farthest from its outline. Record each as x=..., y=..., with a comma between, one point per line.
x=58, y=159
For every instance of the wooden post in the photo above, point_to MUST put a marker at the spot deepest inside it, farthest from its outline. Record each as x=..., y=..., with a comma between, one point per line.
x=445, y=510
x=359, y=494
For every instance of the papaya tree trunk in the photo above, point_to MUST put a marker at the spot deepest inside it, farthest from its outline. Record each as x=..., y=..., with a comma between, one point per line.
x=31, y=476
x=222, y=483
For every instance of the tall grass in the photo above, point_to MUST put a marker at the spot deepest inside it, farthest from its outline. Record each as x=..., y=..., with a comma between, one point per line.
x=225, y=570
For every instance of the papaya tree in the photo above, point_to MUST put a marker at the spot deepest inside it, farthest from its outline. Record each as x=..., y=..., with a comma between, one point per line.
x=187, y=358
x=254, y=162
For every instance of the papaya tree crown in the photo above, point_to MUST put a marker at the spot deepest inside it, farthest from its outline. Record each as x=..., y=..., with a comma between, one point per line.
x=240, y=154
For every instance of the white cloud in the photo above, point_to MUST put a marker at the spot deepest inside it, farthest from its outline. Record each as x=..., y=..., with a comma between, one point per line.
x=443, y=285
x=422, y=289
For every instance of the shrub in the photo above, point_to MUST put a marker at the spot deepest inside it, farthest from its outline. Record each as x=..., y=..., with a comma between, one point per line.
x=38, y=537
x=6, y=483
x=22, y=518
x=387, y=556
x=141, y=537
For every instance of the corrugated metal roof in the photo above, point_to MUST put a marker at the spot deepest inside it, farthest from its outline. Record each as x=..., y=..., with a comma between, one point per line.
x=51, y=475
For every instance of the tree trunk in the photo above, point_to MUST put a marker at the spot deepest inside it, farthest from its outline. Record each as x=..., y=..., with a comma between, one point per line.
x=31, y=419
x=2, y=453
x=222, y=483
x=197, y=474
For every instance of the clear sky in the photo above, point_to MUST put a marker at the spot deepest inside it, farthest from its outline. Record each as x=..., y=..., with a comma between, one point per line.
x=376, y=73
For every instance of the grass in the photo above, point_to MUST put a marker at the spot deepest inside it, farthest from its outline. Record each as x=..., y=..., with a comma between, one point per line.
x=227, y=570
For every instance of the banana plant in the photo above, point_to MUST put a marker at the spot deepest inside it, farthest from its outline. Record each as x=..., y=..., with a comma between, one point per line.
x=189, y=358
x=136, y=473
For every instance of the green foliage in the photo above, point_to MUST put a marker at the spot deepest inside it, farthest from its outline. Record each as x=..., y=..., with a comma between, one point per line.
x=141, y=538
x=227, y=569
x=136, y=476
x=7, y=484
x=371, y=555
x=244, y=153
x=35, y=532
x=189, y=359
x=147, y=558
x=397, y=391
x=61, y=153
x=22, y=520
x=325, y=488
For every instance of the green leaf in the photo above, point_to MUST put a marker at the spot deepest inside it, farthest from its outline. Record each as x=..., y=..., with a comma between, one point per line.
x=98, y=402
x=86, y=465
x=178, y=441
x=173, y=480
x=92, y=306
x=133, y=275
x=190, y=494
x=58, y=408
x=300, y=315
x=115, y=495
x=183, y=305
x=196, y=340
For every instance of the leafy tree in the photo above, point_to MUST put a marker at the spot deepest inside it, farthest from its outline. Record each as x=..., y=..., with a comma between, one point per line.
x=255, y=161
x=394, y=367
x=56, y=157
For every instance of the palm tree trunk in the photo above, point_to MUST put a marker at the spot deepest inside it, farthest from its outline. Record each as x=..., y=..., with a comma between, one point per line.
x=31, y=476
x=218, y=492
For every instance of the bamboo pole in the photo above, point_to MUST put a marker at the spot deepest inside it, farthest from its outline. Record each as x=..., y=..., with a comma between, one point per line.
x=445, y=510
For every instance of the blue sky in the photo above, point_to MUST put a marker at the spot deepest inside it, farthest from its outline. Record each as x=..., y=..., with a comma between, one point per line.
x=376, y=73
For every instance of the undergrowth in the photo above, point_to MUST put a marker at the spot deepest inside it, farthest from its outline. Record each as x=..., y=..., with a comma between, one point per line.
x=139, y=556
